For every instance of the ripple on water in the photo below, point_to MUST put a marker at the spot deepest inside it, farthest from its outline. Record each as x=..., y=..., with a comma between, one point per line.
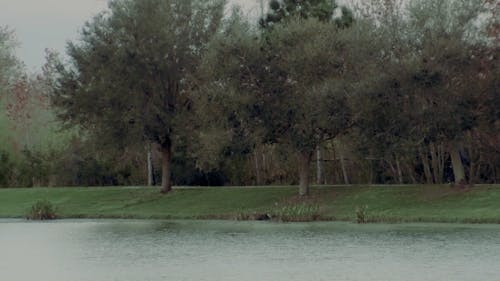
x=125, y=250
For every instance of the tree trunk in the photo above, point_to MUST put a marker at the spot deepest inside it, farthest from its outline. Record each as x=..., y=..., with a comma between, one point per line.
x=495, y=173
x=434, y=163
x=264, y=165
x=257, y=168
x=394, y=170
x=400, y=172
x=427, y=169
x=304, y=166
x=411, y=171
x=319, y=166
x=456, y=163
x=166, y=155
x=475, y=160
x=441, y=153
x=343, y=167
x=473, y=168
x=150, y=166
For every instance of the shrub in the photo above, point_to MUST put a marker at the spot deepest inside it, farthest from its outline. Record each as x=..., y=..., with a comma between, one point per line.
x=42, y=210
x=361, y=216
x=5, y=168
x=296, y=212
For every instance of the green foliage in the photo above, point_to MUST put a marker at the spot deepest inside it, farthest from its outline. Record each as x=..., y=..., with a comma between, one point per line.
x=185, y=172
x=73, y=164
x=289, y=85
x=425, y=91
x=5, y=168
x=323, y=10
x=397, y=90
x=10, y=69
x=296, y=212
x=42, y=210
x=130, y=77
x=281, y=79
x=10, y=66
x=361, y=214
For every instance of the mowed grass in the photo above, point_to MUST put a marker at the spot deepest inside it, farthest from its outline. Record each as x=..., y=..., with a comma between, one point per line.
x=418, y=203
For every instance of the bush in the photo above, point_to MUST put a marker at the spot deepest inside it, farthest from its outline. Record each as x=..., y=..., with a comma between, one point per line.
x=361, y=216
x=5, y=169
x=297, y=212
x=42, y=210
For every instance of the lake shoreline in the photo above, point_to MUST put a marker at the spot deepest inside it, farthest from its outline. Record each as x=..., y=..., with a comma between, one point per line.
x=368, y=204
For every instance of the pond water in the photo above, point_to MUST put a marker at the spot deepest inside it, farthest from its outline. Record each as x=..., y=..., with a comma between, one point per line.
x=106, y=250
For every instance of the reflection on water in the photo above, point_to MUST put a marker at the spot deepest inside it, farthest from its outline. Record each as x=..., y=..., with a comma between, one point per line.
x=220, y=250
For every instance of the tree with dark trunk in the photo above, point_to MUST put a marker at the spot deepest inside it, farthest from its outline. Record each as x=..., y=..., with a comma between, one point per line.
x=129, y=77
x=288, y=83
x=429, y=85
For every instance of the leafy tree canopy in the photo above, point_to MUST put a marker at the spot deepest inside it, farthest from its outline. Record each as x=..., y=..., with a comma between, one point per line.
x=130, y=72
x=290, y=85
x=323, y=10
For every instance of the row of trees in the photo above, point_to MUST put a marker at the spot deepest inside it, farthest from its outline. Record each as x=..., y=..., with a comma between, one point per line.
x=385, y=92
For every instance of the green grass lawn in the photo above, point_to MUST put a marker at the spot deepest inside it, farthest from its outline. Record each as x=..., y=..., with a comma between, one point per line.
x=480, y=204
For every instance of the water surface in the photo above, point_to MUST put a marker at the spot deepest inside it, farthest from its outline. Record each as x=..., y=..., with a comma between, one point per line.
x=129, y=250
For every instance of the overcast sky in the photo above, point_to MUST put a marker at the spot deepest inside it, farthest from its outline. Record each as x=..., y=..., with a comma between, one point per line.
x=41, y=24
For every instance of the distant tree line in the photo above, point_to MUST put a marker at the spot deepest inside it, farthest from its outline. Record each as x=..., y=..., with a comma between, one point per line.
x=182, y=93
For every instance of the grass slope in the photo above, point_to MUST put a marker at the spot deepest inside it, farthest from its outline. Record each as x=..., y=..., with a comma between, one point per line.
x=383, y=203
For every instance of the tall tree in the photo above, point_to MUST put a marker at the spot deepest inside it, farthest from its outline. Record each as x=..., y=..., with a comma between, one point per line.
x=431, y=82
x=130, y=72
x=445, y=77
x=9, y=71
x=288, y=83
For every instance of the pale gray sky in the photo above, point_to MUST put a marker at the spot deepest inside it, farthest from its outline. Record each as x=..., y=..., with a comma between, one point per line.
x=41, y=24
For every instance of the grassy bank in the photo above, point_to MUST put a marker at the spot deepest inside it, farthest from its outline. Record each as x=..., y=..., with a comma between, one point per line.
x=479, y=204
